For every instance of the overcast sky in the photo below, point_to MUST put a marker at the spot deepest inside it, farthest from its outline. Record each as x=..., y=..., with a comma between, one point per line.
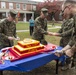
x=38, y=0
x=45, y=0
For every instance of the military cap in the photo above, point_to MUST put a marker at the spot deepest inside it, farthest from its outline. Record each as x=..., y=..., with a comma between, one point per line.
x=45, y=11
x=13, y=13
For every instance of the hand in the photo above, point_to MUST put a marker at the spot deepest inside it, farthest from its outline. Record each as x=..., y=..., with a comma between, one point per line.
x=69, y=53
x=50, y=33
x=17, y=38
x=56, y=34
x=11, y=38
x=59, y=53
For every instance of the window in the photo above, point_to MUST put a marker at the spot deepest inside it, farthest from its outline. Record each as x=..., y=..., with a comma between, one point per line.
x=3, y=5
x=10, y=5
x=24, y=6
x=34, y=7
x=17, y=6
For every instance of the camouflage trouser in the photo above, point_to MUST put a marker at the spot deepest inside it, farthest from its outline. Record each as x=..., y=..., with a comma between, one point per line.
x=1, y=46
x=39, y=38
x=43, y=41
x=64, y=41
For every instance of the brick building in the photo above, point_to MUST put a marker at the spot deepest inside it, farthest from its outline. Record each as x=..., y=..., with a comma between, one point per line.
x=23, y=7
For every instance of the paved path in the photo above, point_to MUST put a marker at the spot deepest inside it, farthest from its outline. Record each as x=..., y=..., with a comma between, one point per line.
x=48, y=28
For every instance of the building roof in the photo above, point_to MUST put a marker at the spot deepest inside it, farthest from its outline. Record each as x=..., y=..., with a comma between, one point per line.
x=22, y=1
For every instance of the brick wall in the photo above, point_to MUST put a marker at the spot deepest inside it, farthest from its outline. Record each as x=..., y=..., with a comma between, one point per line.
x=28, y=6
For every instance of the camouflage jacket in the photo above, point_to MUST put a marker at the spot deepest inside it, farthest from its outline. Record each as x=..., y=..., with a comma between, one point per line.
x=7, y=29
x=73, y=39
x=40, y=28
x=66, y=31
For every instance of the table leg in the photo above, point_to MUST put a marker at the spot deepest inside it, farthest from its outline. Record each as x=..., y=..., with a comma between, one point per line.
x=57, y=67
x=1, y=72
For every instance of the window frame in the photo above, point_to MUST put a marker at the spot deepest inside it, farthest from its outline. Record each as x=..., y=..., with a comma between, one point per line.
x=3, y=5
x=11, y=5
x=17, y=6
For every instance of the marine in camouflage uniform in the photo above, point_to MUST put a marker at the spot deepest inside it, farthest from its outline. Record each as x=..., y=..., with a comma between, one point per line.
x=66, y=32
x=7, y=28
x=70, y=48
x=72, y=42
x=40, y=28
x=73, y=39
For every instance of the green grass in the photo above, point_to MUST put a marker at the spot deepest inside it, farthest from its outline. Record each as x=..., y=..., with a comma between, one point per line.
x=51, y=39
x=23, y=35
x=56, y=24
x=53, y=30
x=22, y=26
x=25, y=26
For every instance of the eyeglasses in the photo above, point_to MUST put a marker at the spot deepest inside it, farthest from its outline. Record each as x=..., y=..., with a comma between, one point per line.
x=65, y=8
x=62, y=11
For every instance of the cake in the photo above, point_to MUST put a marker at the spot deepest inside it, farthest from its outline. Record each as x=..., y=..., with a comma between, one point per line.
x=27, y=47
x=28, y=43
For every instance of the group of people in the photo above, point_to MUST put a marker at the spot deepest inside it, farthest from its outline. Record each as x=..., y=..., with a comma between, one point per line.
x=67, y=31
x=39, y=29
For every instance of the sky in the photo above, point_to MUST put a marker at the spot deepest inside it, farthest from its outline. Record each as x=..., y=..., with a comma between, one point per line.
x=38, y=0
x=44, y=0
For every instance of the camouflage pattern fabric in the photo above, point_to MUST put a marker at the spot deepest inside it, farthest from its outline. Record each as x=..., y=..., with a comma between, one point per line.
x=40, y=29
x=7, y=29
x=73, y=39
x=66, y=31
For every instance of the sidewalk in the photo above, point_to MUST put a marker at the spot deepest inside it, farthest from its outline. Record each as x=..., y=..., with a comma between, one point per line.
x=48, y=28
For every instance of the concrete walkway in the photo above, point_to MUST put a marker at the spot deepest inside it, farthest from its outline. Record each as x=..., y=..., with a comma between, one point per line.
x=48, y=29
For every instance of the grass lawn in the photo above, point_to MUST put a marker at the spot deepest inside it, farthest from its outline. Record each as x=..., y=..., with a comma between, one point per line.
x=48, y=69
x=25, y=26
x=22, y=26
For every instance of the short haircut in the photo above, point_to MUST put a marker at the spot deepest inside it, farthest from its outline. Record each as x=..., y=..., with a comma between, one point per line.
x=69, y=2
